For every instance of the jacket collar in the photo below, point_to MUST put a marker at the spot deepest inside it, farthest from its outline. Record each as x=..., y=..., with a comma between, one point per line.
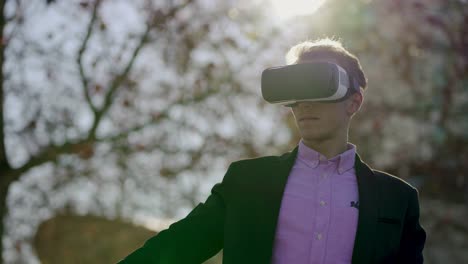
x=363, y=245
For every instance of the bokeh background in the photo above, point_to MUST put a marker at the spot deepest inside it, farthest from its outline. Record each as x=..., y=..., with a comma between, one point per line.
x=118, y=116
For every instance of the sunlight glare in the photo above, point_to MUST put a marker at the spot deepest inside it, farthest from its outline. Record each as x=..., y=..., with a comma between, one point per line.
x=286, y=9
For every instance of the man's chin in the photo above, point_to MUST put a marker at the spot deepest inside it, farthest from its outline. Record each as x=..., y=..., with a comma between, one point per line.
x=309, y=137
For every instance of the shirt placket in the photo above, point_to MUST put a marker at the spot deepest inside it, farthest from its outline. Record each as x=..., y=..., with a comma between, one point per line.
x=323, y=212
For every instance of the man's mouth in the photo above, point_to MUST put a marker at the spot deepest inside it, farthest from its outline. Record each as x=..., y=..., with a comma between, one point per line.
x=308, y=118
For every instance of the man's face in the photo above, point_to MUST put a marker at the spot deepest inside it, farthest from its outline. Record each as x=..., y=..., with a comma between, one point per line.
x=318, y=121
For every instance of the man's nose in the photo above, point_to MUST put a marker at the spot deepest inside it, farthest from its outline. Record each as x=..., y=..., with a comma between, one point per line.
x=305, y=104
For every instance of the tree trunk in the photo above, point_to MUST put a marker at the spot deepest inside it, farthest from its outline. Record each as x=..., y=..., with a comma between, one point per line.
x=3, y=213
x=4, y=166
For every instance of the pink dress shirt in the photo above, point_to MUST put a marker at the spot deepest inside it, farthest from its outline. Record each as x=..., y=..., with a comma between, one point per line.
x=319, y=211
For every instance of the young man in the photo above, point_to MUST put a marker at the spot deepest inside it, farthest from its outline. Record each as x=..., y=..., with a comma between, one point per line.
x=318, y=203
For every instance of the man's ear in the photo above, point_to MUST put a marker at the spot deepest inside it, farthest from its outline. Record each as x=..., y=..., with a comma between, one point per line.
x=354, y=103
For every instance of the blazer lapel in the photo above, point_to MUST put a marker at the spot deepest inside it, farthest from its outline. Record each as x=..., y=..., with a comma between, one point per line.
x=273, y=193
x=368, y=208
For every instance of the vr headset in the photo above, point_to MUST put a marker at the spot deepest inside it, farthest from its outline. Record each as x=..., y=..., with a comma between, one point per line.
x=307, y=82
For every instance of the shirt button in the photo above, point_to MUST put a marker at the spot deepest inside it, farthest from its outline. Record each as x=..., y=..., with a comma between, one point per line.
x=324, y=175
x=319, y=236
x=323, y=158
x=322, y=203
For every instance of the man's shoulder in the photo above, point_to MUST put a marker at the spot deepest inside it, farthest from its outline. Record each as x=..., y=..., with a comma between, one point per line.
x=394, y=181
x=255, y=161
x=259, y=161
x=250, y=168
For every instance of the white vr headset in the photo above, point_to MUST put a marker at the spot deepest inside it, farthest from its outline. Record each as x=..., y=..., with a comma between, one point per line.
x=307, y=82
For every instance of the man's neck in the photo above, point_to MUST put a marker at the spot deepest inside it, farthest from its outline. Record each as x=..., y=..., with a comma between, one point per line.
x=329, y=148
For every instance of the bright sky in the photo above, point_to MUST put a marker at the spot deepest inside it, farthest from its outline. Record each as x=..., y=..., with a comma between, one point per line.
x=286, y=9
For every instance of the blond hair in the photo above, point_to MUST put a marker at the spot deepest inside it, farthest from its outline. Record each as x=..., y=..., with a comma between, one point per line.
x=327, y=49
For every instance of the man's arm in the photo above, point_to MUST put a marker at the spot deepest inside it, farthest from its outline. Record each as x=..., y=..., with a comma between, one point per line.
x=194, y=239
x=414, y=236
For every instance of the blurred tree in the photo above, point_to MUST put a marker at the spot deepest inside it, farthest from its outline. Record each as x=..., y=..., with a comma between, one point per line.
x=434, y=55
x=117, y=107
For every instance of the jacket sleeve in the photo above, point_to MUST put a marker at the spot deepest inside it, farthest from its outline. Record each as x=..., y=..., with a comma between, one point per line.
x=194, y=239
x=414, y=236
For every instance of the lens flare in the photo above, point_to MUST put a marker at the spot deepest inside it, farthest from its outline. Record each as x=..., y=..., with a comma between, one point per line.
x=286, y=9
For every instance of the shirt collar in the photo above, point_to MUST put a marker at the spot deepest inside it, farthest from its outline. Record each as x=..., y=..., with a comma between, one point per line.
x=313, y=158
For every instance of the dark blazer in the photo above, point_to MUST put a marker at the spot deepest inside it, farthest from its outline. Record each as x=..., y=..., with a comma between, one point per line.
x=241, y=214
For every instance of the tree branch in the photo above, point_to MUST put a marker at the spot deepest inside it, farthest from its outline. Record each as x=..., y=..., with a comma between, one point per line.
x=4, y=164
x=52, y=152
x=79, y=60
x=120, y=78
x=48, y=154
x=161, y=115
